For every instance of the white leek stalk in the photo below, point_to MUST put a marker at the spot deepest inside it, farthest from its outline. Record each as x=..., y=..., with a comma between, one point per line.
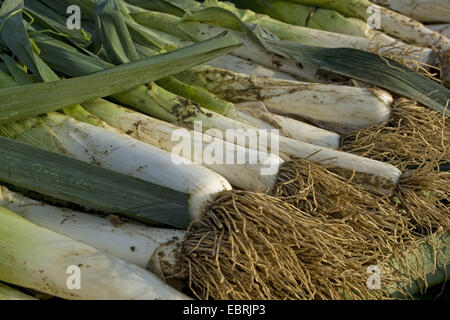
x=382, y=176
x=256, y=114
x=420, y=10
x=247, y=176
x=121, y=153
x=254, y=52
x=237, y=64
x=343, y=108
x=8, y=293
x=133, y=243
x=37, y=258
x=248, y=51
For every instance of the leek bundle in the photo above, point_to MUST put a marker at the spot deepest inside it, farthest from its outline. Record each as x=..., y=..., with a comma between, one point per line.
x=218, y=210
x=161, y=104
x=159, y=249
x=208, y=207
x=417, y=183
x=287, y=146
x=289, y=32
x=212, y=201
x=133, y=243
x=37, y=258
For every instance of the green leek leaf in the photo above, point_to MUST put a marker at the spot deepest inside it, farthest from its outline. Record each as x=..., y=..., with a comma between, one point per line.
x=67, y=179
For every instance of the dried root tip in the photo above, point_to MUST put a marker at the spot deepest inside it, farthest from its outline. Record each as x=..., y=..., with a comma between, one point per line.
x=410, y=56
x=325, y=192
x=244, y=249
x=382, y=230
x=253, y=246
x=423, y=197
x=413, y=136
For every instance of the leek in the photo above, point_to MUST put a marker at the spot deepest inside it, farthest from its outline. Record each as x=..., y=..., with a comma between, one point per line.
x=420, y=10
x=130, y=242
x=392, y=23
x=112, y=150
x=37, y=258
x=247, y=176
x=312, y=17
x=329, y=104
x=256, y=114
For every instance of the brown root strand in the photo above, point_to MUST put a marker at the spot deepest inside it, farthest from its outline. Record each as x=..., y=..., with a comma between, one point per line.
x=243, y=249
x=382, y=229
x=423, y=196
x=253, y=246
x=409, y=56
x=413, y=136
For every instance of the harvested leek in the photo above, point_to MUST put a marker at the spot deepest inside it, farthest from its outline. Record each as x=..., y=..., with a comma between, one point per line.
x=331, y=104
x=256, y=114
x=106, y=148
x=214, y=154
x=102, y=145
x=37, y=258
x=380, y=71
x=156, y=249
x=392, y=23
x=211, y=201
x=420, y=10
x=130, y=242
x=163, y=105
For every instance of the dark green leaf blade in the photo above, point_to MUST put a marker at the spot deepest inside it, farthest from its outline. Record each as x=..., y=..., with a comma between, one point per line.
x=115, y=36
x=90, y=186
x=25, y=101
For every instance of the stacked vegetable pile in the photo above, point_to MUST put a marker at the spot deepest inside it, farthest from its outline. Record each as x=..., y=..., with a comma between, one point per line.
x=89, y=178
